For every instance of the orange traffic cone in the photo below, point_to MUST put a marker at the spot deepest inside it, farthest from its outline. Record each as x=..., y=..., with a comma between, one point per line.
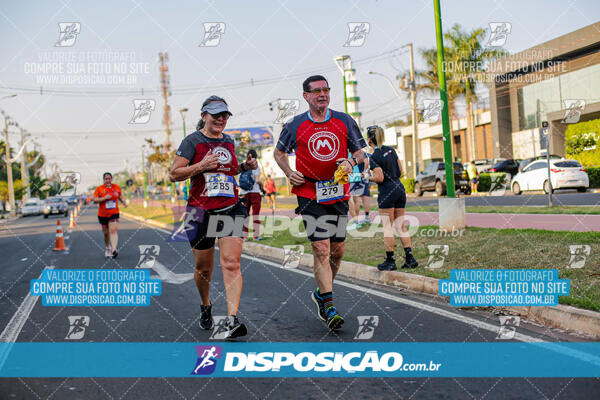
x=79, y=206
x=75, y=211
x=71, y=220
x=60, y=240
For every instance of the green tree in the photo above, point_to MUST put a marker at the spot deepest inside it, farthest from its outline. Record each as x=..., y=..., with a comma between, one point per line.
x=466, y=61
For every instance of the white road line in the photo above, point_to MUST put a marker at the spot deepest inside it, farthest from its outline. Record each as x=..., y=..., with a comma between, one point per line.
x=412, y=303
x=12, y=330
x=435, y=310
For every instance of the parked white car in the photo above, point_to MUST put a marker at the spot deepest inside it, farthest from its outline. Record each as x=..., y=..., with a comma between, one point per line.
x=32, y=206
x=564, y=174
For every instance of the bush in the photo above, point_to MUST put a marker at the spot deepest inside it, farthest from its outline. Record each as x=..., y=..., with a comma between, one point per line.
x=409, y=184
x=485, y=181
x=594, y=175
x=581, y=136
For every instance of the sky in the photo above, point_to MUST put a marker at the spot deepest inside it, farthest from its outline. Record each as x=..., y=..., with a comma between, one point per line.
x=77, y=101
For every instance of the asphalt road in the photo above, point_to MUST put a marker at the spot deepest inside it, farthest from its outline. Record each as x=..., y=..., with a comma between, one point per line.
x=276, y=307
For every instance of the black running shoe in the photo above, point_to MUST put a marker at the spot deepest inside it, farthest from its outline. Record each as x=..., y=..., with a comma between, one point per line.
x=334, y=320
x=410, y=263
x=235, y=328
x=206, y=321
x=115, y=253
x=387, y=266
x=320, y=305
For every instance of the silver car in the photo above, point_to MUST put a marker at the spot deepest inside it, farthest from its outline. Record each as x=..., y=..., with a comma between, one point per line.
x=32, y=206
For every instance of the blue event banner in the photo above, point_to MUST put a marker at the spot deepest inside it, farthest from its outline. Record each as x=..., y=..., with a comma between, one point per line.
x=503, y=287
x=322, y=359
x=95, y=287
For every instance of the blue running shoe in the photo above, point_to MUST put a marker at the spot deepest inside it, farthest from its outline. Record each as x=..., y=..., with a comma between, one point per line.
x=334, y=320
x=320, y=305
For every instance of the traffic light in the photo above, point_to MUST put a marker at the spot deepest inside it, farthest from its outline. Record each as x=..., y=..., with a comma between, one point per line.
x=270, y=106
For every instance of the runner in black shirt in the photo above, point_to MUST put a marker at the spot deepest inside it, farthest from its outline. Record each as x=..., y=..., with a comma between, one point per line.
x=391, y=198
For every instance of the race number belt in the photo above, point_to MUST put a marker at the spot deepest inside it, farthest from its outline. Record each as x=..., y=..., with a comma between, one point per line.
x=219, y=185
x=328, y=191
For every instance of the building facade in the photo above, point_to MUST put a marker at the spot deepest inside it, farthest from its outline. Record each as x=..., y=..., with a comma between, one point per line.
x=557, y=82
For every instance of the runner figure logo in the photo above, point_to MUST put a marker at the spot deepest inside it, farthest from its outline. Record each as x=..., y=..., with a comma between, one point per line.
x=499, y=184
x=180, y=230
x=292, y=254
x=508, y=327
x=212, y=34
x=77, y=325
x=142, y=110
x=220, y=329
x=437, y=255
x=357, y=34
x=207, y=359
x=68, y=34
x=287, y=110
x=579, y=253
x=573, y=111
x=432, y=110
x=148, y=255
x=70, y=178
x=323, y=145
x=499, y=32
x=366, y=326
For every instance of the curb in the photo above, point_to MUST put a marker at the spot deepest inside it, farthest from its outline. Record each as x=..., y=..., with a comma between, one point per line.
x=583, y=322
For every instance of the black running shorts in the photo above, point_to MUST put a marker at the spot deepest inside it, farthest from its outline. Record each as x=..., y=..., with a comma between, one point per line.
x=229, y=222
x=323, y=221
x=105, y=220
x=392, y=195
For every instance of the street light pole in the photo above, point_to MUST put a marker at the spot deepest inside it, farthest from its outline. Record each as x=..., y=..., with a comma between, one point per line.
x=444, y=98
x=413, y=96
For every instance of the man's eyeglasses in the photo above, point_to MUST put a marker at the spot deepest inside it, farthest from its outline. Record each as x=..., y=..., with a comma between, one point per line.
x=224, y=115
x=324, y=90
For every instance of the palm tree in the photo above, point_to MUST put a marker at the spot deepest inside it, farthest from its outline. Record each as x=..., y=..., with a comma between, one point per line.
x=468, y=60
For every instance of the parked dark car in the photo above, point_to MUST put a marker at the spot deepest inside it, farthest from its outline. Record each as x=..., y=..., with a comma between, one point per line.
x=70, y=199
x=55, y=206
x=510, y=167
x=434, y=178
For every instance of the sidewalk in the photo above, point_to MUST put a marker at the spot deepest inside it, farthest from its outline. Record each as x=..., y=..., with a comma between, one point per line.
x=552, y=222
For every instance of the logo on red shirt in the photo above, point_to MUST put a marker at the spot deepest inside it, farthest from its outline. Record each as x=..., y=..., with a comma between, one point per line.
x=323, y=146
x=223, y=153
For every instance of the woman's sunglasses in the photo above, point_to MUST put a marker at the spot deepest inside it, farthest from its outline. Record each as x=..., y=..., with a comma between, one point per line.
x=224, y=115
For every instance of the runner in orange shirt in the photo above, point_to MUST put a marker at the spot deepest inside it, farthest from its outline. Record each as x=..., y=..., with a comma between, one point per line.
x=108, y=196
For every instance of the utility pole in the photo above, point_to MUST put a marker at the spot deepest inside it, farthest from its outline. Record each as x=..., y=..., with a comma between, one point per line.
x=9, y=175
x=444, y=98
x=413, y=101
x=183, y=112
x=24, y=170
x=166, y=92
x=145, y=179
x=547, y=133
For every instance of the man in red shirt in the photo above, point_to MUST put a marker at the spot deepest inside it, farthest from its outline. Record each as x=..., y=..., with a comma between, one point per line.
x=108, y=196
x=321, y=139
